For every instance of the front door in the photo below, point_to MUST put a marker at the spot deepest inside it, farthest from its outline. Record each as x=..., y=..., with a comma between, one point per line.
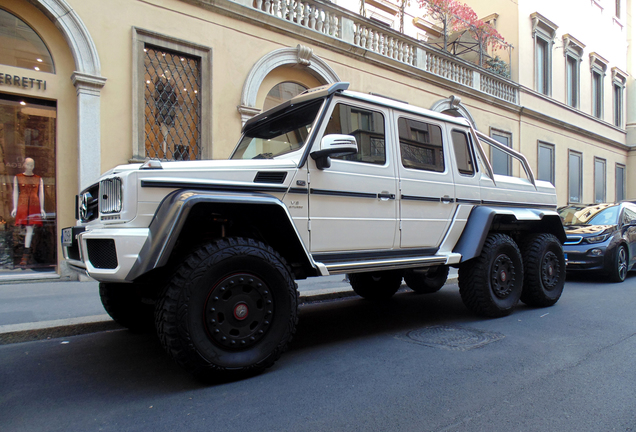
x=352, y=204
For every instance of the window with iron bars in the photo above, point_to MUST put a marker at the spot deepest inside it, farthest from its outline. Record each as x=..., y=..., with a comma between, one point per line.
x=172, y=97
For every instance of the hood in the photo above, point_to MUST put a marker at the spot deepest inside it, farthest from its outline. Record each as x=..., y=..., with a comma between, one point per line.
x=589, y=230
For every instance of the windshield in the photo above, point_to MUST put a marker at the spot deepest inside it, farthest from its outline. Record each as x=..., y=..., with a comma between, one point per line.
x=279, y=133
x=601, y=214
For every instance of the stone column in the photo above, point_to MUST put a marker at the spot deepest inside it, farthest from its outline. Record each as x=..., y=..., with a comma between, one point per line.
x=88, y=89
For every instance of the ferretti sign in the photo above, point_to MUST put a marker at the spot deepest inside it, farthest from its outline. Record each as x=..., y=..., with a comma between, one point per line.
x=22, y=82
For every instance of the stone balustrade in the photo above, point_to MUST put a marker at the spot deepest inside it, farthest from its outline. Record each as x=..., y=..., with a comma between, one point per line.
x=356, y=30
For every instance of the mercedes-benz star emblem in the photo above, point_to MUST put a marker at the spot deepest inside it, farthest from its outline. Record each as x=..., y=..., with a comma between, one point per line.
x=83, y=210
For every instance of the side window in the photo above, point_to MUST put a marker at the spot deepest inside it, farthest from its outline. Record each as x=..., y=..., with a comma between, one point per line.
x=368, y=128
x=629, y=216
x=463, y=155
x=421, y=145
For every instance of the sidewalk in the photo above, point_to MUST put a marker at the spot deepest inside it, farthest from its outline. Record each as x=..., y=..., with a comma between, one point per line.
x=43, y=310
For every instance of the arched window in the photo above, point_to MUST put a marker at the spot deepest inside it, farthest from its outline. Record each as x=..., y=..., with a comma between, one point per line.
x=282, y=92
x=21, y=46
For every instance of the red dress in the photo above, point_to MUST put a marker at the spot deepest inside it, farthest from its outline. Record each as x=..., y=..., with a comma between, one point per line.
x=28, y=212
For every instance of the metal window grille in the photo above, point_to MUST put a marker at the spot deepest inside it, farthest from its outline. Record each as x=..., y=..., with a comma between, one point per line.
x=172, y=105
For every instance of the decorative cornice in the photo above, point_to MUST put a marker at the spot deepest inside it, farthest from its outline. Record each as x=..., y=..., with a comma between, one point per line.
x=547, y=26
x=571, y=44
x=600, y=62
x=85, y=83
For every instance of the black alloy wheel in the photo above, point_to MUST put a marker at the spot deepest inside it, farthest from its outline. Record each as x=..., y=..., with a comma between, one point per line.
x=490, y=284
x=229, y=311
x=544, y=270
x=618, y=272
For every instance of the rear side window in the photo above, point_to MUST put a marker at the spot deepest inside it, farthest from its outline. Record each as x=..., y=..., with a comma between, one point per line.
x=421, y=145
x=368, y=128
x=463, y=155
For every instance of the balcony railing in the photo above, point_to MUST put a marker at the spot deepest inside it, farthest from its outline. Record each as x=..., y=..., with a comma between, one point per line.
x=341, y=24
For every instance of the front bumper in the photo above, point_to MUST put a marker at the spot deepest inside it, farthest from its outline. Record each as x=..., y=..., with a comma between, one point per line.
x=586, y=256
x=106, y=255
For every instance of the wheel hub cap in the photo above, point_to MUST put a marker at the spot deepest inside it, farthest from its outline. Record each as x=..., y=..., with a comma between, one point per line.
x=238, y=311
x=503, y=276
x=550, y=270
x=241, y=311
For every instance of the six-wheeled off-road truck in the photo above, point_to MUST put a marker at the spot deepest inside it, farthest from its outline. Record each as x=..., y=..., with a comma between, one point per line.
x=329, y=182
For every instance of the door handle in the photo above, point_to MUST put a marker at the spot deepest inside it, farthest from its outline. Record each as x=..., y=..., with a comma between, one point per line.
x=386, y=196
x=446, y=199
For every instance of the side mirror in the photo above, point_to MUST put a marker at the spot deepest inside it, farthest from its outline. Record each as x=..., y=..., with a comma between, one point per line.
x=334, y=145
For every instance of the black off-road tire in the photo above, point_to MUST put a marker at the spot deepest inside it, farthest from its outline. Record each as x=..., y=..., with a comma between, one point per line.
x=490, y=284
x=426, y=282
x=125, y=305
x=618, y=272
x=376, y=286
x=229, y=311
x=544, y=270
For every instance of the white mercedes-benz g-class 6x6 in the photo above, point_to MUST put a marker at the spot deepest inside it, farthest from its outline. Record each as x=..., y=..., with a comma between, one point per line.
x=329, y=182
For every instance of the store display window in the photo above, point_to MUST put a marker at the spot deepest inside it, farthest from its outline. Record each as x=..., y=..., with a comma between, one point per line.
x=27, y=191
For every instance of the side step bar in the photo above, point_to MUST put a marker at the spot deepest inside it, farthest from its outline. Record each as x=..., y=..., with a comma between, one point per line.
x=382, y=264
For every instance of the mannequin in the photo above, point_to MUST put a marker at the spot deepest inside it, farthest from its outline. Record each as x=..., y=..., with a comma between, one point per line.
x=28, y=204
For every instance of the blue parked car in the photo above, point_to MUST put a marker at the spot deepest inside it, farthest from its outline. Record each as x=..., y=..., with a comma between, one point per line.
x=601, y=238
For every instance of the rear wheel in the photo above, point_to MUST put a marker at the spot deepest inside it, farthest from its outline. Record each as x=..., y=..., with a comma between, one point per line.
x=490, y=284
x=230, y=310
x=125, y=304
x=376, y=285
x=544, y=270
x=426, y=281
x=618, y=272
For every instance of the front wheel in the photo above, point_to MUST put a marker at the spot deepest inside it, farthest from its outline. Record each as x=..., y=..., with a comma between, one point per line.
x=230, y=310
x=490, y=284
x=376, y=285
x=618, y=272
x=544, y=270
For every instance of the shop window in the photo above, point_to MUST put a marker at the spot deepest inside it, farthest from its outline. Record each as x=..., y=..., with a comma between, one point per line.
x=575, y=179
x=27, y=192
x=501, y=162
x=620, y=182
x=619, y=79
x=173, y=105
x=171, y=97
x=21, y=46
x=573, y=50
x=543, y=32
x=599, y=180
x=282, y=92
x=598, y=66
x=546, y=162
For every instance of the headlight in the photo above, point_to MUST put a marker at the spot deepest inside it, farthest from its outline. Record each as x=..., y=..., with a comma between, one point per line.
x=597, y=239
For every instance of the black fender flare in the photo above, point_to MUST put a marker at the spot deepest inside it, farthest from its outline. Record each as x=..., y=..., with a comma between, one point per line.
x=480, y=222
x=173, y=212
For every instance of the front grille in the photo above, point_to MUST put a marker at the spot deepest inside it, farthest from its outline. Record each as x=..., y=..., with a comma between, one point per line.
x=110, y=195
x=102, y=253
x=573, y=240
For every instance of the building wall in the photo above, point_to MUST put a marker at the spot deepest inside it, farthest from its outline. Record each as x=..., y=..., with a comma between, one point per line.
x=238, y=37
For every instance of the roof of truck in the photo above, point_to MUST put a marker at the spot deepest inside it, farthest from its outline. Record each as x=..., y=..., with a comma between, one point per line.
x=342, y=88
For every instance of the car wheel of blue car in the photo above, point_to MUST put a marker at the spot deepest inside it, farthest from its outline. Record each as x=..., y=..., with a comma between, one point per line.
x=618, y=272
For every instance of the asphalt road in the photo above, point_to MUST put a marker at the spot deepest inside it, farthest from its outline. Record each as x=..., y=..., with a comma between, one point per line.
x=416, y=363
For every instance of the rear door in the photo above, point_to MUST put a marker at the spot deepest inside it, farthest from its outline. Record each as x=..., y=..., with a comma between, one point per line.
x=427, y=192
